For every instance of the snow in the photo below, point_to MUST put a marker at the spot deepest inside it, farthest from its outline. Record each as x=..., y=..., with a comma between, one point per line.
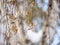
x=57, y=36
x=34, y=37
x=38, y=23
x=2, y=31
x=44, y=5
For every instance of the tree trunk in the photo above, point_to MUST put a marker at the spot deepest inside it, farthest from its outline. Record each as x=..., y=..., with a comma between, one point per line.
x=50, y=23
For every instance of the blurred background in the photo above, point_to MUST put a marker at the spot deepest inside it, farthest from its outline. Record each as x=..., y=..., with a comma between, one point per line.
x=29, y=22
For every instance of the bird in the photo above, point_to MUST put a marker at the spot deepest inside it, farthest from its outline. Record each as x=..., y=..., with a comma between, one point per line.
x=34, y=37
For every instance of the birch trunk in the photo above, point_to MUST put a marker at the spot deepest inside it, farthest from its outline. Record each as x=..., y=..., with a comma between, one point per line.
x=50, y=23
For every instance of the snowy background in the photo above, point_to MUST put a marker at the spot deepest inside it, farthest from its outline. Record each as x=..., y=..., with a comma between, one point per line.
x=37, y=21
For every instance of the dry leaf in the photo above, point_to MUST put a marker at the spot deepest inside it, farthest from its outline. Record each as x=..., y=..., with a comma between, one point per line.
x=14, y=29
x=33, y=3
x=27, y=13
x=11, y=17
x=31, y=24
x=12, y=1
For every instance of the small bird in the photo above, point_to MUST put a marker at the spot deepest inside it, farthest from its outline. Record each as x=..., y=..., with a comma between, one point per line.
x=34, y=37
